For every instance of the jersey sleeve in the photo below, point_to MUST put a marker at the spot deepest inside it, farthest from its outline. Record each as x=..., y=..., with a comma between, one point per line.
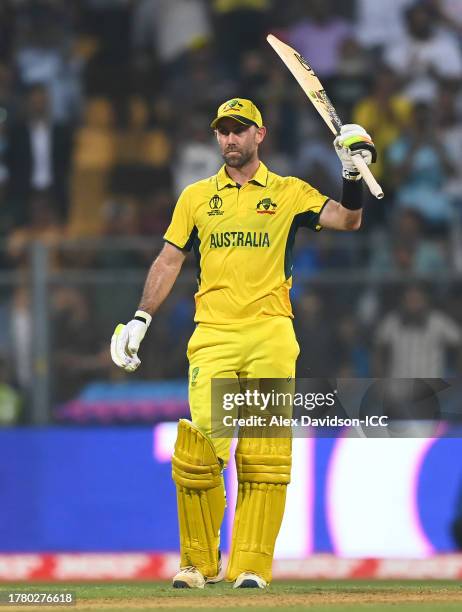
x=181, y=230
x=308, y=205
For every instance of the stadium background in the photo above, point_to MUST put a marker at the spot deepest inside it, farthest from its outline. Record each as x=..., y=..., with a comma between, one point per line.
x=104, y=113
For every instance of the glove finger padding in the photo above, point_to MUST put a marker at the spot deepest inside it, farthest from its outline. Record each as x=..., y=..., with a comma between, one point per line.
x=133, y=364
x=126, y=341
x=354, y=138
x=116, y=358
x=136, y=331
x=353, y=129
x=119, y=343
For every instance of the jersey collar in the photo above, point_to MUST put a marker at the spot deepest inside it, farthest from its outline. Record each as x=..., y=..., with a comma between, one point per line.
x=260, y=177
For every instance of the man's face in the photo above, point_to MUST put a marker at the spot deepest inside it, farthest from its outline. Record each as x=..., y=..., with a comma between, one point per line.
x=420, y=23
x=238, y=142
x=415, y=301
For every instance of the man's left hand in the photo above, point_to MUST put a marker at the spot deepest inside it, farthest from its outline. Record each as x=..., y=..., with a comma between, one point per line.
x=354, y=140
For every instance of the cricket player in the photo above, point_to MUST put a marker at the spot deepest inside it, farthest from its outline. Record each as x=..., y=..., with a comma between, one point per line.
x=241, y=225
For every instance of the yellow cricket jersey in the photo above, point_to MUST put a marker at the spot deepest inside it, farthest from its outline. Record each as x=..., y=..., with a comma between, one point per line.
x=242, y=238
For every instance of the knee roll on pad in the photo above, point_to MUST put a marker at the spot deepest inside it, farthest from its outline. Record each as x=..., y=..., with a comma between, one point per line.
x=195, y=464
x=263, y=470
x=264, y=460
x=196, y=471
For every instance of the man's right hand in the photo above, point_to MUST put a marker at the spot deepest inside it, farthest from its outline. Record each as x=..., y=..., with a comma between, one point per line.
x=354, y=140
x=126, y=341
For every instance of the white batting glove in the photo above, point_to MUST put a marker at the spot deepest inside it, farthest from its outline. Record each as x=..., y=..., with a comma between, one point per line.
x=126, y=341
x=354, y=140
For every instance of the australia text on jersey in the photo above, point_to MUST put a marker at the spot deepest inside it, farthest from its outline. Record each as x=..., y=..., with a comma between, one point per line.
x=239, y=239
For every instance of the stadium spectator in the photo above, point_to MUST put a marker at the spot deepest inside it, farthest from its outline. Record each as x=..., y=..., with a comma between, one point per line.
x=120, y=230
x=425, y=54
x=38, y=156
x=353, y=74
x=449, y=12
x=201, y=78
x=316, y=337
x=414, y=341
x=316, y=158
x=94, y=157
x=250, y=19
x=4, y=212
x=323, y=254
x=6, y=106
x=406, y=248
x=143, y=154
x=254, y=75
x=106, y=24
x=119, y=256
x=285, y=111
x=43, y=226
x=44, y=55
x=7, y=30
x=175, y=324
x=380, y=23
x=155, y=212
x=276, y=158
x=351, y=356
x=419, y=168
x=7, y=98
x=76, y=358
x=170, y=29
x=449, y=126
x=319, y=36
x=197, y=155
x=384, y=113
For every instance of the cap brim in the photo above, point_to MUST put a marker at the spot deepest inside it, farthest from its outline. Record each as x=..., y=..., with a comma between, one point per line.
x=238, y=118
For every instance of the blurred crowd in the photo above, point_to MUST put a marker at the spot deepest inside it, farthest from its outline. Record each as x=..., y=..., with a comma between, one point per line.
x=104, y=118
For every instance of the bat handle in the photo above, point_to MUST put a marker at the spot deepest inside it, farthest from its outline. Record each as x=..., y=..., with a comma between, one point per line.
x=368, y=177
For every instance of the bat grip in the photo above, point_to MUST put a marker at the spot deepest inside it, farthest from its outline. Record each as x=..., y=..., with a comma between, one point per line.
x=368, y=177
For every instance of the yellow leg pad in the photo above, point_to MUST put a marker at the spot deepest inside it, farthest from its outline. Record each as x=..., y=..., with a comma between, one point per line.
x=263, y=470
x=196, y=471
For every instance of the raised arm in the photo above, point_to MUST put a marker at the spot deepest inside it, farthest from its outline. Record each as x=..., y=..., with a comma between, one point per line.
x=335, y=216
x=161, y=277
x=347, y=214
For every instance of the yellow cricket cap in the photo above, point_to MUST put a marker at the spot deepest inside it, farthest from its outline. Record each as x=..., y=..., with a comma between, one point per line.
x=241, y=110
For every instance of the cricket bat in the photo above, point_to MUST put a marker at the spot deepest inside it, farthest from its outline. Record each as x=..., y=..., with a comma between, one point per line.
x=313, y=88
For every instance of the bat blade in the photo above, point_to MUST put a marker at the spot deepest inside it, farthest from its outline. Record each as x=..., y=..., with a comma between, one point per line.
x=312, y=86
x=308, y=81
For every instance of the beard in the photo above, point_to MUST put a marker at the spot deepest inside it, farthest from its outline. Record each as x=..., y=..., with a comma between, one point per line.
x=237, y=159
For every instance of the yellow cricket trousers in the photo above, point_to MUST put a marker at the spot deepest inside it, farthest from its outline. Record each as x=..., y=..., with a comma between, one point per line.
x=264, y=348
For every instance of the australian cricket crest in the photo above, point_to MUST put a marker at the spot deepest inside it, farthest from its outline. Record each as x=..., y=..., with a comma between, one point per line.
x=215, y=205
x=232, y=105
x=266, y=207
